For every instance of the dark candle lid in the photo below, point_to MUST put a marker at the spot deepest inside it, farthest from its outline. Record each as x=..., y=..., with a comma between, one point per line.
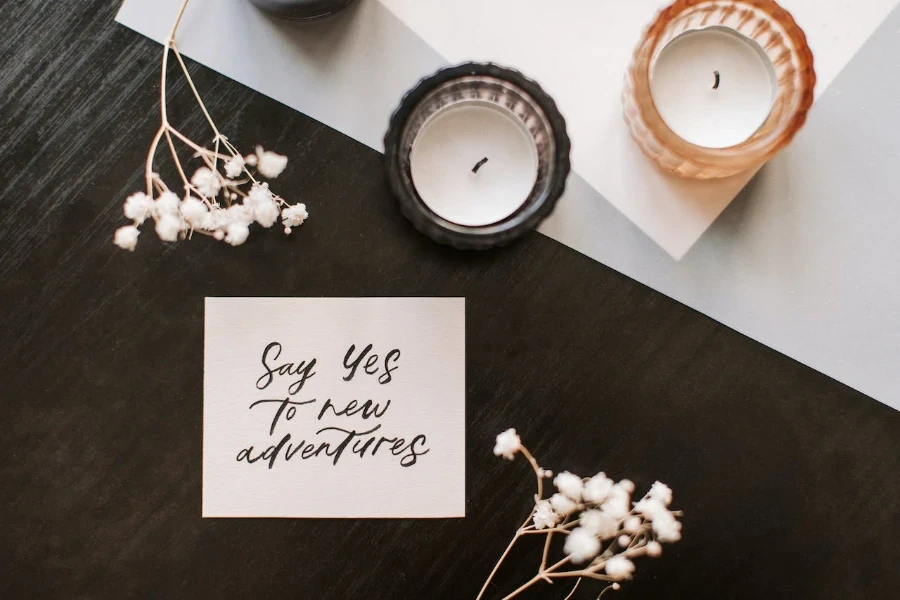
x=302, y=10
x=481, y=82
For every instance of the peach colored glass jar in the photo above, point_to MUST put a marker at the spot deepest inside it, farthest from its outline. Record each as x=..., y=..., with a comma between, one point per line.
x=783, y=43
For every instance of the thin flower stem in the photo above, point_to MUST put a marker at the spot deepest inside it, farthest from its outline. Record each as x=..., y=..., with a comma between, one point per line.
x=215, y=166
x=542, y=575
x=246, y=169
x=234, y=152
x=203, y=152
x=162, y=87
x=630, y=553
x=547, y=551
x=523, y=587
x=190, y=81
x=177, y=21
x=187, y=184
x=148, y=168
x=561, y=528
x=544, y=531
x=497, y=566
x=537, y=472
x=581, y=573
x=557, y=565
x=572, y=593
x=606, y=589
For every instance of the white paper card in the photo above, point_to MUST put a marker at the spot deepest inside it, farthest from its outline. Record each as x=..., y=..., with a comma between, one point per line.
x=334, y=407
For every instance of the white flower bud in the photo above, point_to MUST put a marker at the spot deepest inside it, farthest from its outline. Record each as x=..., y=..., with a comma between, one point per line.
x=599, y=523
x=269, y=164
x=138, y=207
x=237, y=234
x=126, y=237
x=234, y=167
x=295, y=215
x=508, y=443
x=619, y=567
x=581, y=545
x=168, y=227
x=207, y=181
x=194, y=212
x=266, y=213
x=544, y=517
x=631, y=525
x=570, y=485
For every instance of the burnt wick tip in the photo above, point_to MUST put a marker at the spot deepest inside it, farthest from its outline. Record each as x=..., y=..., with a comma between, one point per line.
x=478, y=164
x=716, y=84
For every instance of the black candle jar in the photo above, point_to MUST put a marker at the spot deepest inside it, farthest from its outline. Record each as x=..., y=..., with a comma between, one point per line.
x=302, y=10
x=481, y=84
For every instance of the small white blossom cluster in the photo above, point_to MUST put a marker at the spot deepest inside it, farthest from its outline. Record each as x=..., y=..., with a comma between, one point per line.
x=508, y=443
x=608, y=518
x=604, y=529
x=222, y=205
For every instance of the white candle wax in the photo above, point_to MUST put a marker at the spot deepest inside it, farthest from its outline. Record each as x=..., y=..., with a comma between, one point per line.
x=452, y=143
x=684, y=90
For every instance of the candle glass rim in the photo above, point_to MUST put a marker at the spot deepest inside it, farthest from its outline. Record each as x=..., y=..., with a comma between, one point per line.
x=793, y=96
x=534, y=209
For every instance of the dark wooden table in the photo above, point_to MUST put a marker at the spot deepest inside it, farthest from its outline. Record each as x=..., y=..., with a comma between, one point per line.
x=789, y=481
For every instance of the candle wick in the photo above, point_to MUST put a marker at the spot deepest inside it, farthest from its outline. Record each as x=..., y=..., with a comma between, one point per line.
x=478, y=164
x=716, y=84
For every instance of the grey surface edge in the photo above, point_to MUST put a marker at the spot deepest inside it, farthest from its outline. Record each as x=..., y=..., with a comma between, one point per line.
x=806, y=260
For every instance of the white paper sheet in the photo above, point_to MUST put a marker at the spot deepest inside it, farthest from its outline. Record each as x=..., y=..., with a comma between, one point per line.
x=334, y=407
x=578, y=51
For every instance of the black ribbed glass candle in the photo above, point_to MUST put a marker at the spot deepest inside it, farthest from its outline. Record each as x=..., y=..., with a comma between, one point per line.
x=477, y=155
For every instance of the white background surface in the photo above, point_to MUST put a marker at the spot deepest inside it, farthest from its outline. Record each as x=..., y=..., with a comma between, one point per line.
x=427, y=394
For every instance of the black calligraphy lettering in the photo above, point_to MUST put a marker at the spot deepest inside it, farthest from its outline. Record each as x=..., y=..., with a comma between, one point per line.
x=292, y=450
x=282, y=404
x=245, y=455
x=410, y=459
x=368, y=409
x=354, y=365
x=308, y=451
x=304, y=369
x=352, y=433
x=386, y=376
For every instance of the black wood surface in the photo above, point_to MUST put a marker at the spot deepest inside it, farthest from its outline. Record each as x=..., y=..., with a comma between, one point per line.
x=788, y=480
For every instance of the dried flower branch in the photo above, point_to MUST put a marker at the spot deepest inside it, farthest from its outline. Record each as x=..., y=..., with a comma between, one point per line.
x=604, y=531
x=222, y=198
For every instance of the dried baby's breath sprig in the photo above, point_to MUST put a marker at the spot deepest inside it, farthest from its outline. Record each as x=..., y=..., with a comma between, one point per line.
x=223, y=198
x=604, y=531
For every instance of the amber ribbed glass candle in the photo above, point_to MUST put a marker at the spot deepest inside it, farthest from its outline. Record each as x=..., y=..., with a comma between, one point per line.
x=716, y=87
